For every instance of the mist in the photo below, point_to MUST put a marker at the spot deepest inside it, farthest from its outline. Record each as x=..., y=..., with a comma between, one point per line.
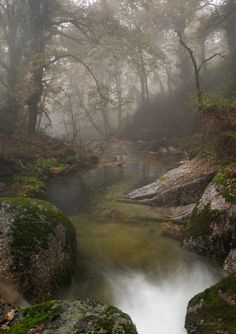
x=117, y=163
x=109, y=67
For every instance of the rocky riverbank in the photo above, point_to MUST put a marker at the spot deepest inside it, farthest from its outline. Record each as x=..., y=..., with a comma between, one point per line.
x=27, y=162
x=38, y=252
x=210, y=231
x=211, y=228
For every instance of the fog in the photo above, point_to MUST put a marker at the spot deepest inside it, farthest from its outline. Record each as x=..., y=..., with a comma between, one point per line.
x=128, y=89
x=94, y=69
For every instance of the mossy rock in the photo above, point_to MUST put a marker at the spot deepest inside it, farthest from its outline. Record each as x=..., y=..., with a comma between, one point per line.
x=225, y=181
x=211, y=229
x=38, y=246
x=78, y=317
x=214, y=310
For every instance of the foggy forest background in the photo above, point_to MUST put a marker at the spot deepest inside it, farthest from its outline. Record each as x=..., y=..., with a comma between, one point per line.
x=139, y=69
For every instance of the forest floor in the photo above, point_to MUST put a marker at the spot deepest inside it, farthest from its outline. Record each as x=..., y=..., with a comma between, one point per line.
x=26, y=162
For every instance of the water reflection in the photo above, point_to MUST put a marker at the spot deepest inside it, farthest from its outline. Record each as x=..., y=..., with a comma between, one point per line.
x=83, y=191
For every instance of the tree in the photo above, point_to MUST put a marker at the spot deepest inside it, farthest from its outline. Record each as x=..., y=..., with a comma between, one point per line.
x=41, y=23
x=12, y=21
x=197, y=67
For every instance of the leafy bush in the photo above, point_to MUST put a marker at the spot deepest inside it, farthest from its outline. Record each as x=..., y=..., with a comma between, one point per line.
x=46, y=164
x=31, y=185
x=219, y=127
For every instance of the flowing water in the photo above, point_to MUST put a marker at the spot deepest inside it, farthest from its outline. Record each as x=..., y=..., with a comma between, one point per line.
x=124, y=258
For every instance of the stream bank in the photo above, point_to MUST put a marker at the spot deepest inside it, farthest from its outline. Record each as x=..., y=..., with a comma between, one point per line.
x=28, y=162
x=210, y=231
x=124, y=255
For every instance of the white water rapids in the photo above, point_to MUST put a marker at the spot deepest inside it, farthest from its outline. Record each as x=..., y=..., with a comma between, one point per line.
x=160, y=307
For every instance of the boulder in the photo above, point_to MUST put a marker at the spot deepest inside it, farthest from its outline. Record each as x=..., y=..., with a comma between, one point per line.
x=180, y=186
x=37, y=246
x=230, y=262
x=76, y=317
x=181, y=214
x=211, y=229
x=214, y=310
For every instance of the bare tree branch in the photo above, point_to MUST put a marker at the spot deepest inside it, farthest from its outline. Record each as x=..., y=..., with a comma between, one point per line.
x=197, y=68
x=3, y=83
x=208, y=59
x=98, y=84
x=3, y=64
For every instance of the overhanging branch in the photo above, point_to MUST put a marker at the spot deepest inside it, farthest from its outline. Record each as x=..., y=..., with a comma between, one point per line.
x=208, y=59
x=98, y=84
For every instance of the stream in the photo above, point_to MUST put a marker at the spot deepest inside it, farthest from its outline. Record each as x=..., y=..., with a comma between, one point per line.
x=124, y=258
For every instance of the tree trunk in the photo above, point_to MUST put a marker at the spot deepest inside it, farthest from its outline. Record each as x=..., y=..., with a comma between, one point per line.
x=15, y=43
x=230, y=28
x=184, y=71
x=40, y=27
x=159, y=79
x=73, y=117
x=146, y=87
x=119, y=94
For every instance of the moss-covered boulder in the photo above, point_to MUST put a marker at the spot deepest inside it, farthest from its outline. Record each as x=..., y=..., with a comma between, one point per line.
x=37, y=246
x=214, y=310
x=211, y=229
x=78, y=317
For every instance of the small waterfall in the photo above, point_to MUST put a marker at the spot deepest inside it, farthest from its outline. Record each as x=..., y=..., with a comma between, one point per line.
x=159, y=307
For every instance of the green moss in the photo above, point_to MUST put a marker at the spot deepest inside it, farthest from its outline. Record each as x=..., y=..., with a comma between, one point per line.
x=219, y=127
x=215, y=308
x=130, y=328
x=33, y=221
x=218, y=103
x=225, y=181
x=62, y=276
x=45, y=167
x=46, y=164
x=109, y=318
x=200, y=222
x=33, y=317
x=67, y=316
x=106, y=322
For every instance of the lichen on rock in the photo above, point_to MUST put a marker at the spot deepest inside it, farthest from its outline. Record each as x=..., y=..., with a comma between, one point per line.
x=214, y=310
x=37, y=245
x=230, y=262
x=76, y=317
x=211, y=229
